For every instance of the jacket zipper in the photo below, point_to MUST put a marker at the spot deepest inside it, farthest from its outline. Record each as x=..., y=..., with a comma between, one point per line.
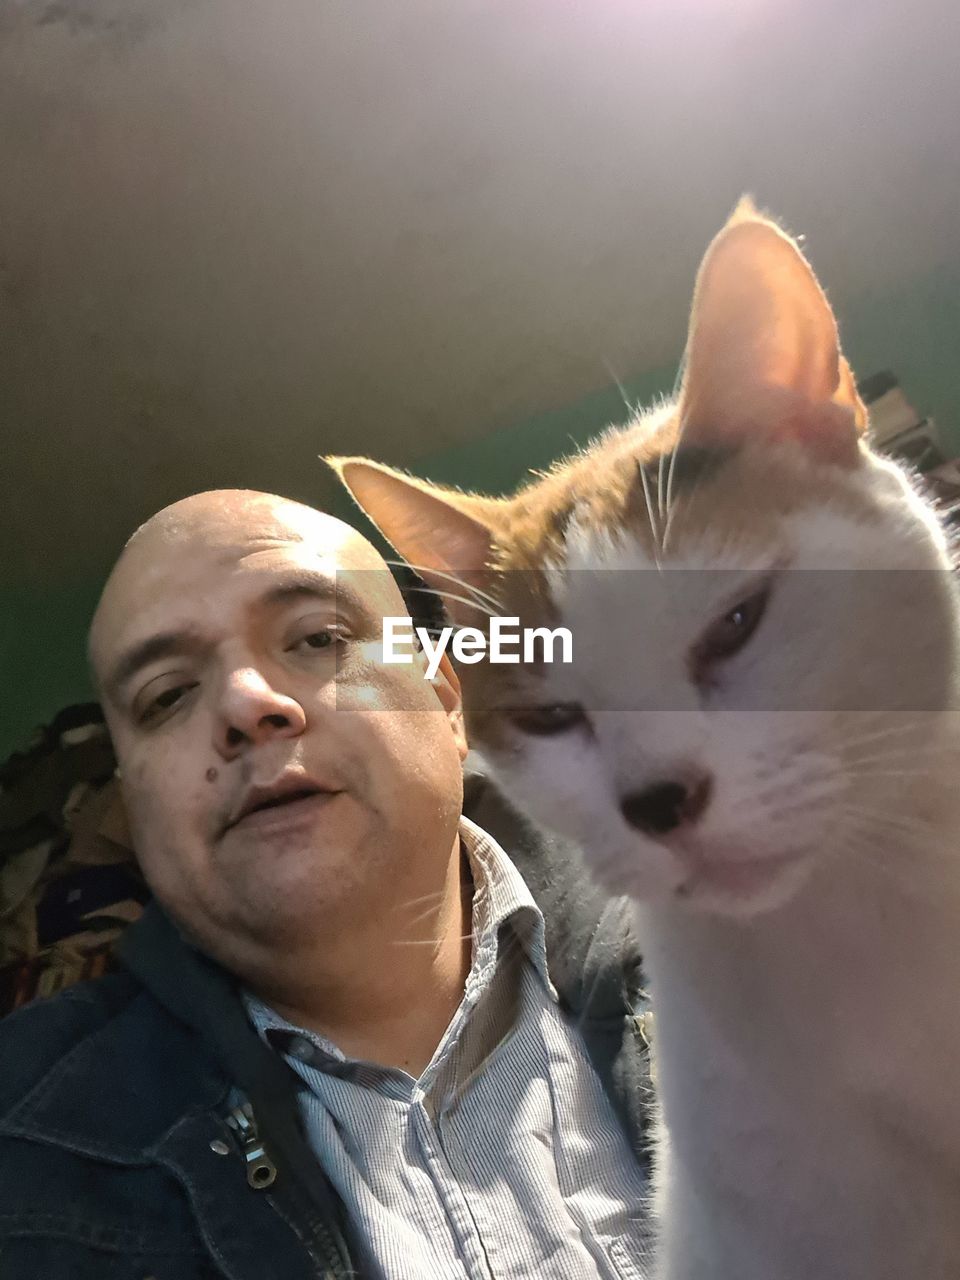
x=262, y=1173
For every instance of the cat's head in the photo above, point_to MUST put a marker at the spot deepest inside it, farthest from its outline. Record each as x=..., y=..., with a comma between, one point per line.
x=762, y=621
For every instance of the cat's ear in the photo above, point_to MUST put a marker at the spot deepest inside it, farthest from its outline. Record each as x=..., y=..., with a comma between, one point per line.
x=445, y=535
x=763, y=352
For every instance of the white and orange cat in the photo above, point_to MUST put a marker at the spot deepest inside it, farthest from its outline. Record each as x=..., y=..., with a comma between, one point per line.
x=758, y=742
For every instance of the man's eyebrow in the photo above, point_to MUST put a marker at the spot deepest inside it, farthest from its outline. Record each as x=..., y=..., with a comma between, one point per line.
x=319, y=586
x=294, y=585
x=164, y=644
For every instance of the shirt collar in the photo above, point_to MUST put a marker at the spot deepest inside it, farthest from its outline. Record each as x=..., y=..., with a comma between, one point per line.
x=501, y=897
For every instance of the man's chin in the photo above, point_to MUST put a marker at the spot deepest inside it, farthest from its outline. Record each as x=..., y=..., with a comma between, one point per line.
x=287, y=912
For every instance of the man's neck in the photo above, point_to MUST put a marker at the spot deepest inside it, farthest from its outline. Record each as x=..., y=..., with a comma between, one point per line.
x=398, y=981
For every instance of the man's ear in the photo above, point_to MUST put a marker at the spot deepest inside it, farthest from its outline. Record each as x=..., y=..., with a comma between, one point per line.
x=445, y=535
x=763, y=352
x=114, y=824
x=446, y=685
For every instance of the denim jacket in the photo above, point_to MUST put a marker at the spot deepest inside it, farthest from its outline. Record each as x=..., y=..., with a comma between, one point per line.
x=147, y=1133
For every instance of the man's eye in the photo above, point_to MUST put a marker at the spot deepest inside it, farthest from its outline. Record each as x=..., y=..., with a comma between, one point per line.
x=551, y=718
x=165, y=701
x=730, y=633
x=324, y=639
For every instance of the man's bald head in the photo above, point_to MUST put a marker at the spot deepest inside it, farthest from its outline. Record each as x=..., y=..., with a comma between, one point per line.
x=238, y=646
x=217, y=514
x=218, y=519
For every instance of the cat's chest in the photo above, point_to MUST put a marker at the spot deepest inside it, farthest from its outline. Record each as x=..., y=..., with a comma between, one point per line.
x=832, y=1072
x=811, y=1119
x=796, y=1176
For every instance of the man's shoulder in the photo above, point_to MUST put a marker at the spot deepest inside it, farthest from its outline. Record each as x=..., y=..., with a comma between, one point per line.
x=37, y=1037
x=592, y=946
x=102, y=1068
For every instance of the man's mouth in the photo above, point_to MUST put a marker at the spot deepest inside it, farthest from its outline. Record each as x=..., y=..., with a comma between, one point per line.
x=286, y=799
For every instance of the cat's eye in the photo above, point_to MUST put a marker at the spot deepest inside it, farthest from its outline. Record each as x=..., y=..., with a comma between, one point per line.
x=730, y=632
x=550, y=718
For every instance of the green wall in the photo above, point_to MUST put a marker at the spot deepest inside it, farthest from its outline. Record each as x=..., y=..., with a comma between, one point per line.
x=912, y=329
x=42, y=654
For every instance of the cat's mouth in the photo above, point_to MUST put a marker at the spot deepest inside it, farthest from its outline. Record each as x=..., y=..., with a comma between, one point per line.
x=712, y=879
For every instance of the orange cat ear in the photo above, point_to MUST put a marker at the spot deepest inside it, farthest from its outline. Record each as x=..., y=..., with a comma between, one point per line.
x=444, y=535
x=763, y=352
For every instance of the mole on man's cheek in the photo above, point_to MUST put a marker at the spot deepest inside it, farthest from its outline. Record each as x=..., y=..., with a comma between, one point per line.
x=212, y=774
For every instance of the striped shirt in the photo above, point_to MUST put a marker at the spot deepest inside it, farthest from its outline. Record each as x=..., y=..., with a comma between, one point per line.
x=505, y=1159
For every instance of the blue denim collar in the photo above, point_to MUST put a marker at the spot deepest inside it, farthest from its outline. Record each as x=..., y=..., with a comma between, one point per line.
x=120, y=1090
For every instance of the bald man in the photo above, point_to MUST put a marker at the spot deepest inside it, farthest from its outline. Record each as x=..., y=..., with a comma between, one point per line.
x=354, y=1034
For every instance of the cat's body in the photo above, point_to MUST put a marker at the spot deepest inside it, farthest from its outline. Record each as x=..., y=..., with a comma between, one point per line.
x=809, y=1086
x=758, y=743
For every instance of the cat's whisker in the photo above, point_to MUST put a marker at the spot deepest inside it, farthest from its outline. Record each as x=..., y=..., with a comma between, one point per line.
x=806, y=793
x=886, y=732
x=448, y=577
x=893, y=817
x=653, y=528
x=673, y=459
x=678, y=438
x=892, y=756
x=801, y=806
x=674, y=505
x=882, y=730
x=873, y=852
x=672, y=509
x=871, y=772
x=451, y=595
x=427, y=898
x=901, y=824
x=427, y=913
x=793, y=774
x=895, y=872
x=876, y=830
x=628, y=405
x=429, y=942
x=428, y=902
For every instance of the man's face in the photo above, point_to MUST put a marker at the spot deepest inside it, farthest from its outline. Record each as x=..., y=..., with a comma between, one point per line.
x=278, y=776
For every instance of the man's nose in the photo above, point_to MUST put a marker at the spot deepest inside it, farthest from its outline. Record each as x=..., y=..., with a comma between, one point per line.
x=253, y=712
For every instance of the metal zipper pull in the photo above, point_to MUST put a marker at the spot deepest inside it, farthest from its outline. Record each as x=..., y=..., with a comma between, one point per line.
x=261, y=1171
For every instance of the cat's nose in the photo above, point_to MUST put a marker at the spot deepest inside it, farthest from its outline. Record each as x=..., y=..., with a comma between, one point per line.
x=664, y=806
